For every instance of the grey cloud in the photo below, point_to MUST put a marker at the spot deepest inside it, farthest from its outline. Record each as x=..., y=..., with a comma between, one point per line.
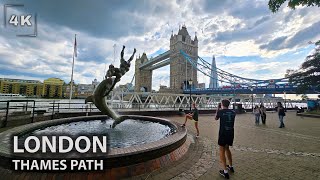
x=249, y=9
x=300, y=38
x=238, y=8
x=245, y=33
x=195, y=6
x=236, y=26
x=261, y=20
x=136, y=24
x=215, y=6
x=111, y=19
x=275, y=44
x=289, y=16
x=213, y=27
x=303, y=12
x=304, y=35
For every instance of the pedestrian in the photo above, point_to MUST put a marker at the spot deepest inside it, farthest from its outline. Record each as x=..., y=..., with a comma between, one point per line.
x=256, y=112
x=263, y=112
x=226, y=136
x=281, y=114
x=193, y=115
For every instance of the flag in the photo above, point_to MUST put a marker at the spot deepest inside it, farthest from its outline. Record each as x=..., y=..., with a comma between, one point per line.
x=75, y=45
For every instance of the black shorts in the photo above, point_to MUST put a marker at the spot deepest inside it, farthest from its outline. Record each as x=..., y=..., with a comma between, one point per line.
x=226, y=139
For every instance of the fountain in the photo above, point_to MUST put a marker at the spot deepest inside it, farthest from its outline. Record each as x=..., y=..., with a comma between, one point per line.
x=105, y=87
x=137, y=144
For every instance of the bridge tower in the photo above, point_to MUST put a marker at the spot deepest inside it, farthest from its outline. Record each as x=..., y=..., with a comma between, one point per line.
x=181, y=71
x=143, y=77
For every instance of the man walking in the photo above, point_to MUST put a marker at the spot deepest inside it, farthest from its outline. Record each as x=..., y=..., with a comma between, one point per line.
x=226, y=135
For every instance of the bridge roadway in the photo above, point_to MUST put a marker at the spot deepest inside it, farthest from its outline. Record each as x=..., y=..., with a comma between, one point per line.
x=271, y=89
x=157, y=62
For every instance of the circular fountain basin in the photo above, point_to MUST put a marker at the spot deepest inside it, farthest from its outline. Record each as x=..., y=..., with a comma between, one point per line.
x=129, y=133
x=140, y=141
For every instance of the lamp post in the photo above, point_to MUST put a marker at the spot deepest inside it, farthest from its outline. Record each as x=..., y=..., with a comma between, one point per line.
x=252, y=98
x=190, y=84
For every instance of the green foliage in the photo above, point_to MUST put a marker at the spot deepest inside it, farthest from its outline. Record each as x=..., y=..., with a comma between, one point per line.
x=274, y=5
x=308, y=75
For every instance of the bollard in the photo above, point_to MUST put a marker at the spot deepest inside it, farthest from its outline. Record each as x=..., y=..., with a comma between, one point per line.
x=7, y=115
x=52, y=116
x=34, y=104
x=58, y=109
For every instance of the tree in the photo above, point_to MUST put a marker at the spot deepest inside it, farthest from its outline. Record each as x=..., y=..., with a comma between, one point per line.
x=289, y=72
x=308, y=75
x=274, y=5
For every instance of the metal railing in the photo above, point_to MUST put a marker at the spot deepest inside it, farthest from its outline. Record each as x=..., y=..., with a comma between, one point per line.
x=31, y=108
x=157, y=102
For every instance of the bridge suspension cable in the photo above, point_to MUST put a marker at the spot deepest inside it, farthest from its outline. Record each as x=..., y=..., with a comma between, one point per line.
x=223, y=76
x=129, y=85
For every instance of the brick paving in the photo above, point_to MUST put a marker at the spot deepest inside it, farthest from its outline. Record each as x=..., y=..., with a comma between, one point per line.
x=259, y=152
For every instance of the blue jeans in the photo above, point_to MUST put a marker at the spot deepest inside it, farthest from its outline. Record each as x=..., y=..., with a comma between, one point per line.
x=257, y=118
x=281, y=121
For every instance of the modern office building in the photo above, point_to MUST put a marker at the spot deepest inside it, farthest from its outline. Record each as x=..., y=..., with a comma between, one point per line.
x=214, y=75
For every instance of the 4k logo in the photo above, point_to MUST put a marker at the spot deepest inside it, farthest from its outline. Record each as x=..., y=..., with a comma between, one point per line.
x=24, y=20
x=21, y=21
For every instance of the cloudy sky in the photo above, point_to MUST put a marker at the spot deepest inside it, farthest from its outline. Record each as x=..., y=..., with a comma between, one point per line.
x=244, y=35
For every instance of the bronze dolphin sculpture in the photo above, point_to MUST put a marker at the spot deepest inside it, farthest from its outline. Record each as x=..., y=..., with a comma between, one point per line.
x=106, y=86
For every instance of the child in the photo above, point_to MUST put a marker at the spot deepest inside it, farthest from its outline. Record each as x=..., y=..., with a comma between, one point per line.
x=226, y=135
x=193, y=116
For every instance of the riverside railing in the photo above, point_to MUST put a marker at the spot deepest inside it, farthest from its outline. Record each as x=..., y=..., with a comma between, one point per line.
x=15, y=109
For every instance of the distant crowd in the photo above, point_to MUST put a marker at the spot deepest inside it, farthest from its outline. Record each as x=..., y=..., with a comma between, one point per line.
x=261, y=112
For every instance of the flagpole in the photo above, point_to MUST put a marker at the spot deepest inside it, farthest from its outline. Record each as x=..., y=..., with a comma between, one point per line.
x=74, y=54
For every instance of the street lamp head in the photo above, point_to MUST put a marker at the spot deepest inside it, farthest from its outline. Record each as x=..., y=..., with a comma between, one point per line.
x=190, y=81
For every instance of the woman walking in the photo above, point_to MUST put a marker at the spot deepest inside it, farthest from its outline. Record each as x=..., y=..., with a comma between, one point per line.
x=256, y=112
x=263, y=111
x=281, y=114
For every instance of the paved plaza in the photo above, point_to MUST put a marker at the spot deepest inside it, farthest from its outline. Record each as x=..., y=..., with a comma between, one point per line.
x=259, y=152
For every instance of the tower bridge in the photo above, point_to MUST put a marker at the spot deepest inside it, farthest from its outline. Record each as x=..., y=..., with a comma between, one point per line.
x=185, y=64
x=180, y=70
